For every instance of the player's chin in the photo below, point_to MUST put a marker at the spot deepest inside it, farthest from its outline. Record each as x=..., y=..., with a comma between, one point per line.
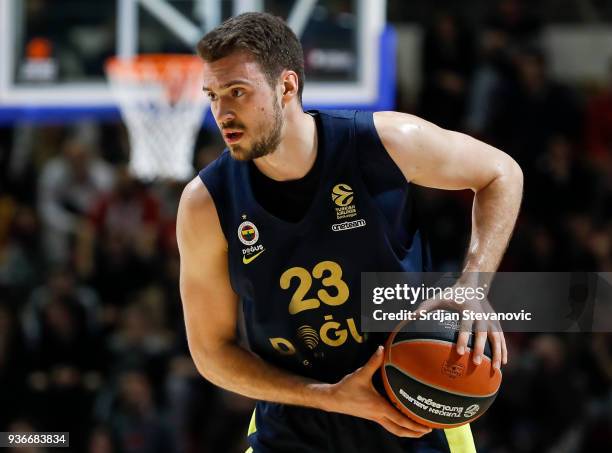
x=239, y=152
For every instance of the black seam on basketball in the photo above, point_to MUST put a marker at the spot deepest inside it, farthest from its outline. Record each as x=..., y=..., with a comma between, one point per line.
x=452, y=392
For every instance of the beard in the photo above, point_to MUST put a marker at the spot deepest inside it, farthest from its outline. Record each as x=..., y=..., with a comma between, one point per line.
x=266, y=143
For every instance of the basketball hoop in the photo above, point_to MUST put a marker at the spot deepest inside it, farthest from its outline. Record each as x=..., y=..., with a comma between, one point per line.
x=162, y=105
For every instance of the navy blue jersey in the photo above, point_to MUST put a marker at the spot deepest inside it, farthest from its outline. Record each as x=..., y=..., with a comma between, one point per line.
x=300, y=282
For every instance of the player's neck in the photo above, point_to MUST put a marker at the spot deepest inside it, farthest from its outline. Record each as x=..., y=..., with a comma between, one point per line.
x=297, y=151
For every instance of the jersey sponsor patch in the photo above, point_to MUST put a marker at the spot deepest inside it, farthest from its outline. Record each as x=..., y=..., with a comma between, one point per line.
x=348, y=225
x=247, y=259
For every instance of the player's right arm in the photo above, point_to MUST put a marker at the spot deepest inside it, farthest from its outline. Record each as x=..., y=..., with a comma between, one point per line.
x=211, y=313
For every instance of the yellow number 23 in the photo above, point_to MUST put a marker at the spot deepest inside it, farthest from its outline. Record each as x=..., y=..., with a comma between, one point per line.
x=333, y=279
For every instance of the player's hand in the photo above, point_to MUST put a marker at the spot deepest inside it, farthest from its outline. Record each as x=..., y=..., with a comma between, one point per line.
x=355, y=395
x=483, y=329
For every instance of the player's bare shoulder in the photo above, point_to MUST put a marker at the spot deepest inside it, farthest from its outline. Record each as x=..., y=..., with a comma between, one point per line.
x=402, y=130
x=431, y=156
x=197, y=219
x=406, y=138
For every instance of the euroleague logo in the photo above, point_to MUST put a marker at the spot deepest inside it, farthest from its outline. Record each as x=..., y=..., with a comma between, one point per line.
x=343, y=197
x=247, y=233
x=471, y=411
x=342, y=194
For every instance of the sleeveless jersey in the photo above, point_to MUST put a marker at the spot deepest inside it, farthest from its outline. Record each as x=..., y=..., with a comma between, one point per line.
x=299, y=283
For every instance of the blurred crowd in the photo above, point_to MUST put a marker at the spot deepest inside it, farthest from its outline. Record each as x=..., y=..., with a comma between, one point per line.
x=91, y=332
x=496, y=85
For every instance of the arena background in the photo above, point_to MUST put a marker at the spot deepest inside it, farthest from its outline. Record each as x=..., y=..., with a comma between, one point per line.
x=92, y=339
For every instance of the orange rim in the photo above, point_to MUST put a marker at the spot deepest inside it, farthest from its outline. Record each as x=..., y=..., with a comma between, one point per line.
x=152, y=65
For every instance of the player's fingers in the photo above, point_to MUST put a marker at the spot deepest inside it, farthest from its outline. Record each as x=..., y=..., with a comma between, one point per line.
x=465, y=330
x=400, y=419
x=462, y=342
x=497, y=350
x=398, y=430
x=373, y=363
x=479, y=343
x=503, y=348
x=392, y=427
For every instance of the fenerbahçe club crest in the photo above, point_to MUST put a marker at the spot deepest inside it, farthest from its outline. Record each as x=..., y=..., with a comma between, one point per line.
x=249, y=235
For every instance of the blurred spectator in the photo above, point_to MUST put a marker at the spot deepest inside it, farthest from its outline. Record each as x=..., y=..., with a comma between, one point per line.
x=526, y=115
x=491, y=74
x=561, y=183
x=189, y=401
x=61, y=315
x=601, y=352
x=508, y=27
x=21, y=425
x=33, y=145
x=136, y=424
x=599, y=122
x=540, y=372
x=126, y=210
x=537, y=247
x=235, y=408
x=448, y=56
x=516, y=21
x=599, y=362
x=140, y=342
x=118, y=250
x=67, y=187
x=100, y=441
x=13, y=367
x=554, y=375
x=20, y=264
x=600, y=246
x=61, y=327
x=579, y=230
x=6, y=136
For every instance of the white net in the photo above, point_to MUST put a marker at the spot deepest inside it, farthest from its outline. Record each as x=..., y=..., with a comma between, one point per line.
x=162, y=105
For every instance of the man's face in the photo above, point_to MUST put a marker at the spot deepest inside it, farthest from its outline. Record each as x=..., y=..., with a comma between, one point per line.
x=245, y=107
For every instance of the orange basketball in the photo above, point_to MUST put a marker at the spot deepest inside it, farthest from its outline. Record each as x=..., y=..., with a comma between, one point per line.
x=428, y=381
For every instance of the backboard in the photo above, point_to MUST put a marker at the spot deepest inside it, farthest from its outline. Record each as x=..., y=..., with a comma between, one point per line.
x=52, y=52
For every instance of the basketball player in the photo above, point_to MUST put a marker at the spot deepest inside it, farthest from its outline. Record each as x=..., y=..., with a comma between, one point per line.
x=286, y=219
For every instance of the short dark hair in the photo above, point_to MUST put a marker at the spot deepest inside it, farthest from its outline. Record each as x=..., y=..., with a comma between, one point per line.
x=266, y=37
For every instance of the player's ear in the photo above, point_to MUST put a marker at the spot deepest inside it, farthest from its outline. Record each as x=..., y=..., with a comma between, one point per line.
x=289, y=80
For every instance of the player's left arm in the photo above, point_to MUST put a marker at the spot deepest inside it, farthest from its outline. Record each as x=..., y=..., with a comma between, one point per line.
x=434, y=157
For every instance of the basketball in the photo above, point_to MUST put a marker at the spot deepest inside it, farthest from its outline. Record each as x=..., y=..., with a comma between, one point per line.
x=427, y=380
